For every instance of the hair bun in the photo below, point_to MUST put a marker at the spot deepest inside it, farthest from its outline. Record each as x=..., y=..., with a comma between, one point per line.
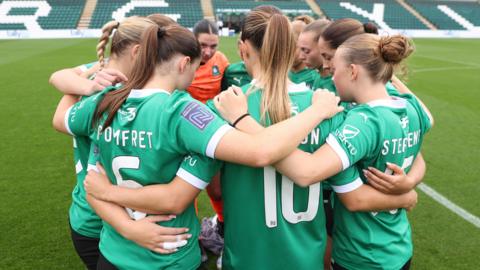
x=395, y=48
x=161, y=32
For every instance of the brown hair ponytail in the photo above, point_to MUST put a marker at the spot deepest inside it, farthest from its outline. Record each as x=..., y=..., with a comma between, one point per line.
x=276, y=59
x=271, y=35
x=158, y=45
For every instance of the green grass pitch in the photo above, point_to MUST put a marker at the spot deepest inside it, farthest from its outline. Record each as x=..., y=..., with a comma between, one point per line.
x=37, y=171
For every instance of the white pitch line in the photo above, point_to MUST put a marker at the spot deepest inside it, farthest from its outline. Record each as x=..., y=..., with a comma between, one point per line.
x=448, y=61
x=420, y=70
x=450, y=205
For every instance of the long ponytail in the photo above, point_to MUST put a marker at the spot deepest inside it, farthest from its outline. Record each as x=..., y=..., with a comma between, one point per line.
x=276, y=59
x=271, y=35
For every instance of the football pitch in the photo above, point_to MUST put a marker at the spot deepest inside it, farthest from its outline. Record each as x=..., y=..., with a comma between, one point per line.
x=37, y=171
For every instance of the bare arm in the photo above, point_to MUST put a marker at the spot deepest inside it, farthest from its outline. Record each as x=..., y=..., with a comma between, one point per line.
x=366, y=198
x=65, y=103
x=306, y=169
x=398, y=182
x=144, y=232
x=71, y=81
x=76, y=82
x=275, y=142
x=301, y=167
x=171, y=198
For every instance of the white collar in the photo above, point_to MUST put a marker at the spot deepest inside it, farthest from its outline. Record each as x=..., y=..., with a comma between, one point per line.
x=295, y=88
x=394, y=102
x=292, y=87
x=141, y=93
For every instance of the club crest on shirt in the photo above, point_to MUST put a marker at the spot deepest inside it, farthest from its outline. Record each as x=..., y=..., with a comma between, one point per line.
x=215, y=70
x=197, y=115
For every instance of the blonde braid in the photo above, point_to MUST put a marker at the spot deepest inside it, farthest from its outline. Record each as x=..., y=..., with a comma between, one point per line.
x=107, y=30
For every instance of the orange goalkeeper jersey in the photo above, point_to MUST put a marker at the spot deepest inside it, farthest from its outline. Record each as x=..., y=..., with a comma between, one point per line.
x=208, y=78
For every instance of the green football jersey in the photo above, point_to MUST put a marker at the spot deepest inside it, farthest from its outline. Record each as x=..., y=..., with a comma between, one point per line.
x=83, y=219
x=146, y=143
x=306, y=75
x=235, y=74
x=373, y=134
x=266, y=215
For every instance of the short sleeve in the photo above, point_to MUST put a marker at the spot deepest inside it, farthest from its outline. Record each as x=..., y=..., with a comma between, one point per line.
x=196, y=127
x=78, y=119
x=357, y=137
x=198, y=170
x=346, y=181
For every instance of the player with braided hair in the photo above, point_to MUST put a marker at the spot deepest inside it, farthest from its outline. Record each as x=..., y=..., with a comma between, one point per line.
x=85, y=224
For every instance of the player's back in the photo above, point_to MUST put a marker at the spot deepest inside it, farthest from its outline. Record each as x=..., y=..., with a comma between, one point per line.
x=380, y=239
x=142, y=144
x=271, y=223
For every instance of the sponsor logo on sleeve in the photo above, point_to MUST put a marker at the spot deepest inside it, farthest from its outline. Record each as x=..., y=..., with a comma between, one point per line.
x=347, y=133
x=197, y=115
x=350, y=132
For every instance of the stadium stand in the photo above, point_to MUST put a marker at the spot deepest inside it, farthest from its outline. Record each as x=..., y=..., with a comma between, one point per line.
x=12, y=26
x=188, y=11
x=469, y=10
x=239, y=7
x=64, y=14
x=395, y=16
x=231, y=13
x=429, y=9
